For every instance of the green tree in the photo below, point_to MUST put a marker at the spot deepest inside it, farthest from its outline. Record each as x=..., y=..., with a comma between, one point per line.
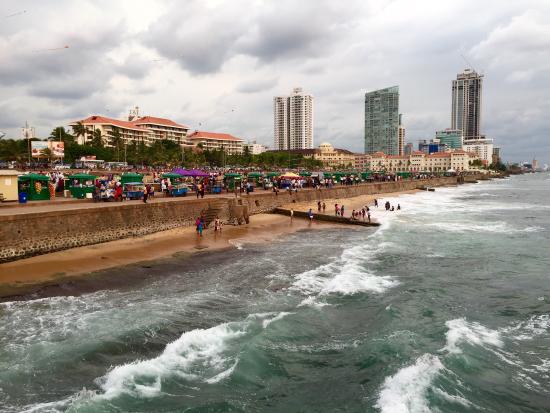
x=115, y=140
x=79, y=130
x=60, y=134
x=97, y=139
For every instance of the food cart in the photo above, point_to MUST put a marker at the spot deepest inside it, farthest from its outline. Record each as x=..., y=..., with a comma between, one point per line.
x=133, y=190
x=81, y=184
x=35, y=186
x=231, y=179
x=255, y=178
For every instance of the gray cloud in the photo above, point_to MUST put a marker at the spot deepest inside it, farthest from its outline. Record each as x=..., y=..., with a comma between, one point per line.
x=197, y=60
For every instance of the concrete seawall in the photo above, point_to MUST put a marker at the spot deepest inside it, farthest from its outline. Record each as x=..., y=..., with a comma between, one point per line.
x=33, y=233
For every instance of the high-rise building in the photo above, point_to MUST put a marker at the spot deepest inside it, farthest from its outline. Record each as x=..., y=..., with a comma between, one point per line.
x=293, y=120
x=451, y=137
x=382, y=121
x=401, y=135
x=466, y=106
x=408, y=149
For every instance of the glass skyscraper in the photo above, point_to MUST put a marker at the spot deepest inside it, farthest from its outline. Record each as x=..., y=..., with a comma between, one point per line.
x=382, y=121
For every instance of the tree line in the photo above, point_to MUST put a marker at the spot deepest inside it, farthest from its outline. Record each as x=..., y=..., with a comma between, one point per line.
x=111, y=148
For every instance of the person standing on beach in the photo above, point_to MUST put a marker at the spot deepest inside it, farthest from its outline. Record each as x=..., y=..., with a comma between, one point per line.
x=368, y=216
x=324, y=207
x=217, y=224
x=198, y=226
x=291, y=214
x=310, y=214
x=342, y=210
x=318, y=206
x=376, y=202
x=398, y=207
x=336, y=210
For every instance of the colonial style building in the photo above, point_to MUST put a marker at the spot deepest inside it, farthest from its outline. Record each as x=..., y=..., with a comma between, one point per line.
x=418, y=161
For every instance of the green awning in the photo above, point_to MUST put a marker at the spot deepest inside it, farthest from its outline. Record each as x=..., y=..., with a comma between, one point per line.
x=305, y=173
x=171, y=175
x=83, y=176
x=232, y=175
x=255, y=174
x=33, y=176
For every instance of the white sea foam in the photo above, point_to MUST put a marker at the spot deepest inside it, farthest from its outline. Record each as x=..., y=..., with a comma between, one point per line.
x=280, y=316
x=194, y=353
x=495, y=227
x=527, y=330
x=347, y=275
x=461, y=331
x=406, y=390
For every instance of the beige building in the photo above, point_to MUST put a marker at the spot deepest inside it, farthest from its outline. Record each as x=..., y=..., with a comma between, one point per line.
x=457, y=161
x=8, y=185
x=217, y=141
x=334, y=158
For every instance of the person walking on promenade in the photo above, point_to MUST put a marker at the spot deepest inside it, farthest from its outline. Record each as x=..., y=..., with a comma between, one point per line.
x=145, y=195
x=324, y=207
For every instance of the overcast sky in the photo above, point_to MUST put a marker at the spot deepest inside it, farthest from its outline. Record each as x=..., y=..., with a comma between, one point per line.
x=216, y=65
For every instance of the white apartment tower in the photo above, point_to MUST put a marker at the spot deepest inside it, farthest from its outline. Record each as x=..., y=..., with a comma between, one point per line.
x=293, y=121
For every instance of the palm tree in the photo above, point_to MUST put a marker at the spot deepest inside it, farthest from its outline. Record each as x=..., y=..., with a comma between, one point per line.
x=97, y=139
x=115, y=139
x=80, y=130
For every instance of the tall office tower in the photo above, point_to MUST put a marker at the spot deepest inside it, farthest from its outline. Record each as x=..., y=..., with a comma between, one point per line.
x=280, y=114
x=401, y=136
x=466, y=108
x=293, y=116
x=382, y=121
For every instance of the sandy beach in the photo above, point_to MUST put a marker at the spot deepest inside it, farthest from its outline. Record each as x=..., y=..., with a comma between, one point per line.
x=28, y=275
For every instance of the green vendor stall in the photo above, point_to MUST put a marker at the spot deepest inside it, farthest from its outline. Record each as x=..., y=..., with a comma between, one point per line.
x=81, y=184
x=35, y=186
x=231, y=179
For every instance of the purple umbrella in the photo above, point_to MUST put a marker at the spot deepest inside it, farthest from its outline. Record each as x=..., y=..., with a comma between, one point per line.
x=180, y=171
x=195, y=173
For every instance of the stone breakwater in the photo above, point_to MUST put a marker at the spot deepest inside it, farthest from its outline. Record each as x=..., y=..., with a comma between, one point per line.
x=27, y=234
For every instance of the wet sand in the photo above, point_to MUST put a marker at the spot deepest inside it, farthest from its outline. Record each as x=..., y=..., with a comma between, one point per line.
x=28, y=275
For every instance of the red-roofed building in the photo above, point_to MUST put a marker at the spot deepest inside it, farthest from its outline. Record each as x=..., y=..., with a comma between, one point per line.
x=128, y=131
x=217, y=141
x=146, y=129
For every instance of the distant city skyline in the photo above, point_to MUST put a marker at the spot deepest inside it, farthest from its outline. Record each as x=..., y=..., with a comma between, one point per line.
x=139, y=53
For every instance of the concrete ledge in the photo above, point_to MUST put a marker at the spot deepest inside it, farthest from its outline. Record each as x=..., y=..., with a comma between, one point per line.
x=326, y=218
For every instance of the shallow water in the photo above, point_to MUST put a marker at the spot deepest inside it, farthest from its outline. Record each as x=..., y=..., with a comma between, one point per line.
x=444, y=308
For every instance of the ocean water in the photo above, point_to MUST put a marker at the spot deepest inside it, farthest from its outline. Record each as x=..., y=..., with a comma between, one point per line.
x=444, y=308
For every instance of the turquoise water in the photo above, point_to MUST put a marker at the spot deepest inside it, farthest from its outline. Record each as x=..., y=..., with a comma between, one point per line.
x=444, y=308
